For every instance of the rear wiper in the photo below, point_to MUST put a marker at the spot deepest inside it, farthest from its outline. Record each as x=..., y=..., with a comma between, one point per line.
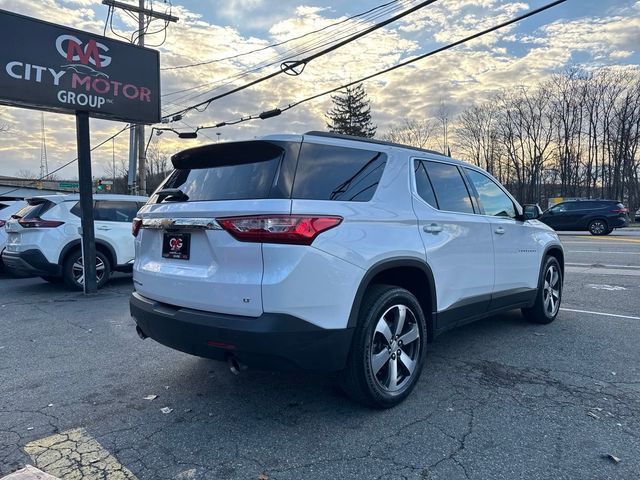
x=172, y=195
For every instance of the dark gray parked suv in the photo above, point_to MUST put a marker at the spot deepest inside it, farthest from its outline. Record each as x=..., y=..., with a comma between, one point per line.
x=599, y=217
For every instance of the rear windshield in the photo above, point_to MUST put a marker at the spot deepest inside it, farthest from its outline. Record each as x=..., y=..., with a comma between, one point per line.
x=235, y=171
x=260, y=169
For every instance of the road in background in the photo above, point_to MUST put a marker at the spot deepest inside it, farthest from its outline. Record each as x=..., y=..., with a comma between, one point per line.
x=499, y=398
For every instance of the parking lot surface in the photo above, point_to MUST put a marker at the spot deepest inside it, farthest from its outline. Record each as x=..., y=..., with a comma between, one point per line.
x=498, y=399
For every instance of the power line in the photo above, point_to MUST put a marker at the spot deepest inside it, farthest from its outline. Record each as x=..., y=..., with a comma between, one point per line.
x=277, y=111
x=291, y=52
x=291, y=67
x=274, y=45
x=44, y=177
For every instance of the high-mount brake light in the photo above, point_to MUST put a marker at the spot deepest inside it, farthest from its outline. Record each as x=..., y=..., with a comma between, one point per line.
x=39, y=223
x=289, y=229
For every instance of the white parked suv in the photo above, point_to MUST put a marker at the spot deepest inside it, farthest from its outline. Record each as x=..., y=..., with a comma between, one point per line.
x=7, y=208
x=334, y=253
x=43, y=238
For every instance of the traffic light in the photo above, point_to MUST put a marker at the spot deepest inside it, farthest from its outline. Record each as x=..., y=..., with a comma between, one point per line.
x=99, y=185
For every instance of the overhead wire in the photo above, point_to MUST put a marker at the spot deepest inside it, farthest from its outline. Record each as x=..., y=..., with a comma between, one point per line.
x=44, y=177
x=288, y=54
x=277, y=111
x=364, y=18
x=291, y=67
x=277, y=44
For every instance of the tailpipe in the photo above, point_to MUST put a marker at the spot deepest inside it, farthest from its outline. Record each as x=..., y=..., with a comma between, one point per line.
x=140, y=333
x=235, y=366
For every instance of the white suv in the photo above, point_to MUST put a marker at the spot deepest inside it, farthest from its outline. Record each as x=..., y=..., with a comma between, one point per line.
x=43, y=238
x=334, y=253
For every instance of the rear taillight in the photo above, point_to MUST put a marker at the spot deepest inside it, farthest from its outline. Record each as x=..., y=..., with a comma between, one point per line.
x=2, y=223
x=290, y=229
x=135, y=226
x=620, y=210
x=39, y=223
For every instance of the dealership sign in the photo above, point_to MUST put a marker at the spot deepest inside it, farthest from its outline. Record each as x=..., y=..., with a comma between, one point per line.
x=50, y=67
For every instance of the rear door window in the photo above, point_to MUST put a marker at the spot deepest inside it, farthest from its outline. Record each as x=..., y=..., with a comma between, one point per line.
x=328, y=172
x=115, y=211
x=449, y=187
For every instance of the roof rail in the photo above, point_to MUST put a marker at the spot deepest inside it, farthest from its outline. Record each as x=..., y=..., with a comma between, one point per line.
x=317, y=133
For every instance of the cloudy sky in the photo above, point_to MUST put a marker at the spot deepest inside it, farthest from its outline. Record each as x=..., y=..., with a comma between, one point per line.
x=584, y=33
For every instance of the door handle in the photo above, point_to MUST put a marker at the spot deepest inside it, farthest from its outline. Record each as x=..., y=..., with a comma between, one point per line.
x=500, y=231
x=103, y=228
x=433, y=228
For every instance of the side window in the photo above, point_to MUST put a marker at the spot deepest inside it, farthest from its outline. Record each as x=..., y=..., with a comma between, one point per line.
x=492, y=198
x=423, y=184
x=561, y=207
x=326, y=172
x=449, y=187
x=113, y=211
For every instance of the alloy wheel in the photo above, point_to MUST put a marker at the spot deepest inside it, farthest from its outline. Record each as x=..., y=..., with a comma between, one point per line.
x=598, y=227
x=78, y=270
x=395, y=348
x=551, y=291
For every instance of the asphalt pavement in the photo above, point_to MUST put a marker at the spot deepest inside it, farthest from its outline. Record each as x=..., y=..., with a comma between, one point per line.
x=81, y=395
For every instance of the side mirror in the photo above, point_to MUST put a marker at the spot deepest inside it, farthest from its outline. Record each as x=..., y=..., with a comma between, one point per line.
x=531, y=212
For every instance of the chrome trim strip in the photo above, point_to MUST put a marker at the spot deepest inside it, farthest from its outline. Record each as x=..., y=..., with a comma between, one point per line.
x=188, y=223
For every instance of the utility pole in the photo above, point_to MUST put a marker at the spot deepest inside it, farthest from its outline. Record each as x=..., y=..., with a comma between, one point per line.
x=138, y=135
x=142, y=159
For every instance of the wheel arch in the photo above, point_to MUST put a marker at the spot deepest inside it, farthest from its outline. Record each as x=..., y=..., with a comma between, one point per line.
x=409, y=273
x=101, y=246
x=554, y=251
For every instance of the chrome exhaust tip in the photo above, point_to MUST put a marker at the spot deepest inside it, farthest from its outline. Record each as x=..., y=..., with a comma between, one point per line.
x=234, y=365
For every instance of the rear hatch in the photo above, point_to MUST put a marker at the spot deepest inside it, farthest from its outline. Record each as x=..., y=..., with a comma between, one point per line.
x=184, y=257
x=25, y=227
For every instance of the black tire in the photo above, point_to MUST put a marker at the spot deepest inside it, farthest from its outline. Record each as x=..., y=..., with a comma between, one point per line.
x=74, y=259
x=384, y=303
x=598, y=227
x=51, y=279
x=543, y=311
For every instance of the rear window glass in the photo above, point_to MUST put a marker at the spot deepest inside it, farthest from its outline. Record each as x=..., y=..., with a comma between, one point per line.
x=327, y=172
x=235, y=172
x=450, y=189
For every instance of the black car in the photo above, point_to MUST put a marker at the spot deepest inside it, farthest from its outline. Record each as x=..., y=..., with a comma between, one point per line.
x=599, y=217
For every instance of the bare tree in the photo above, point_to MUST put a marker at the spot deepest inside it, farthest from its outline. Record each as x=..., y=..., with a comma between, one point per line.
x=576, y=135
x=416, y=133
x=477, y=137
x=26, y=174
x=157, y=165
x=4, y=124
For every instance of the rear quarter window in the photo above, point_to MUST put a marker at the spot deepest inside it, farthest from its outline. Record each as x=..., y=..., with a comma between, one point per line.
x=326, y=172
x=34, y=209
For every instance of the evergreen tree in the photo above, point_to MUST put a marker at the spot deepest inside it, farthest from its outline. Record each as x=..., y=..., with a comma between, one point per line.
x=351, y=113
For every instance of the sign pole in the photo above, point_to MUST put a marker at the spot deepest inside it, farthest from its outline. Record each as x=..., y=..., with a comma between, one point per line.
x=86, y=202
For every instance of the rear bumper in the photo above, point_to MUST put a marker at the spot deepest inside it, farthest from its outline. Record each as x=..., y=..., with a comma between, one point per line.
x=620, y=222
x=271, y=341
x=29, y=263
